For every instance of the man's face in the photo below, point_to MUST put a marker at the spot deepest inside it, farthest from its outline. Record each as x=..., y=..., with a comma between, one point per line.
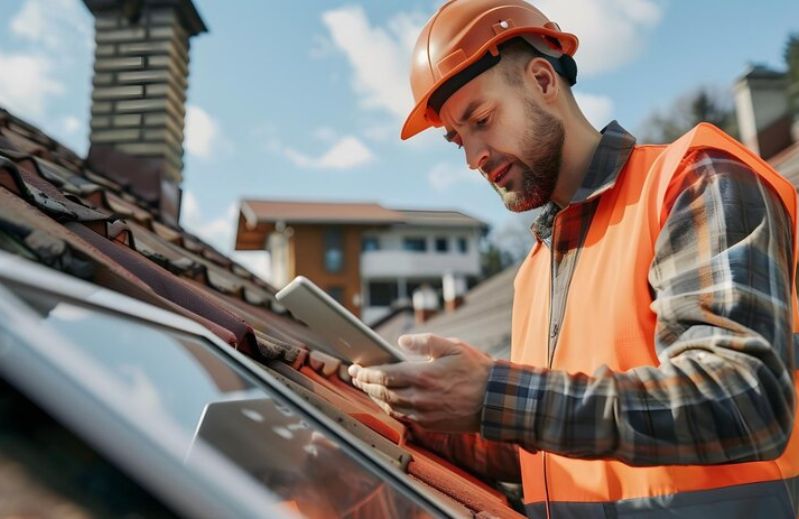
x=506, y=135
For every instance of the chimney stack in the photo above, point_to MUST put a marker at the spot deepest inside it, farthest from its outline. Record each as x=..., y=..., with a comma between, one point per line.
x=454, y=290
x=141, y=69
x=761, y=105
x=425, y=303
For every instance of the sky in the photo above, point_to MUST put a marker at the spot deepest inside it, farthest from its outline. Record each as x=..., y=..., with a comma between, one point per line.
x=304, y=100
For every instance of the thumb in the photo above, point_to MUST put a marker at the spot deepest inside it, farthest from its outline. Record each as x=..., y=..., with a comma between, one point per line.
x=428, y=345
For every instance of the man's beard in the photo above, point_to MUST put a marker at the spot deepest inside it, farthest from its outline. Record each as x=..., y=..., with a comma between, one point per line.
x=542, y=144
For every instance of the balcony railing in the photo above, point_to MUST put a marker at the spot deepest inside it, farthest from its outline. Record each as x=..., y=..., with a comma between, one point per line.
x=400, y=263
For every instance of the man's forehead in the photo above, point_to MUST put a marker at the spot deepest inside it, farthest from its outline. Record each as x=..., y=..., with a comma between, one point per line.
x=478, y=89
x=456, y=110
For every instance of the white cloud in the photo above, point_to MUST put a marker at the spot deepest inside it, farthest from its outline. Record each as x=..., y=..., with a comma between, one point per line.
x=343, y=151
x=379, y=56
x=444, y=175
x=381, y=132
x=221, y=233
x=598, y=109
x=346, y=153
x=204, y=136
x=71, y=124
x=189, y=210
x=26, y=83
x=57, y=24
x=611, y=32
x=258, y=262
x=52, y=40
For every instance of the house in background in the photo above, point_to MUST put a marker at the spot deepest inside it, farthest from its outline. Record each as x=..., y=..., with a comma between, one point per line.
x=365, y=255
x=767, y=107
x=482, y=317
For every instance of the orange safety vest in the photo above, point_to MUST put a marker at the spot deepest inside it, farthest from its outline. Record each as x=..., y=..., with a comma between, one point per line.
x=615, y=262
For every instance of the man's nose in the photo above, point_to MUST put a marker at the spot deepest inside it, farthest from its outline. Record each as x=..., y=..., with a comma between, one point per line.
x=476, y=155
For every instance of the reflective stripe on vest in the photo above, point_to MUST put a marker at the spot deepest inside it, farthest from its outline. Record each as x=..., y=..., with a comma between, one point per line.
x=768, y=500
x=622, y=233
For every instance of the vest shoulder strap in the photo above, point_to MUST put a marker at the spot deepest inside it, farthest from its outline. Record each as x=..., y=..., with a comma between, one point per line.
x=706, y=135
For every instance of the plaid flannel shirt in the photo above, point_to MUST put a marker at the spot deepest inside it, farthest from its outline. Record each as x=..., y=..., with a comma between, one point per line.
x=723, y=391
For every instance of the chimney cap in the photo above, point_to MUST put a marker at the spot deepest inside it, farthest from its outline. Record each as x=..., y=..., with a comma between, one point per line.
x=761, y=71
x=192, y=21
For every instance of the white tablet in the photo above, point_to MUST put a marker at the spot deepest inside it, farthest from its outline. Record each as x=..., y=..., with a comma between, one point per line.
x=352, y=340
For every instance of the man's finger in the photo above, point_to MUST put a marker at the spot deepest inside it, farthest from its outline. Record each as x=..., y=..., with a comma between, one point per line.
x=405, y=398
x=382, y=393
x=397, y=375
x=393, y=413
x=403, y=414
x=428, y=345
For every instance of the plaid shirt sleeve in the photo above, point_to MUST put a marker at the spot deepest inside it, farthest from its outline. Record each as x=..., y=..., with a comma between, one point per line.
x=723, y=391
x=489, y=460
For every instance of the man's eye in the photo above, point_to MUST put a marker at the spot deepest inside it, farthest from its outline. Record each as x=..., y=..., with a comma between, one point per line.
x=480, y=123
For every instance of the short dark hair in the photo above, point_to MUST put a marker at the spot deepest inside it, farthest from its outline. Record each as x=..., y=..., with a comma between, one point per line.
x=516, y=54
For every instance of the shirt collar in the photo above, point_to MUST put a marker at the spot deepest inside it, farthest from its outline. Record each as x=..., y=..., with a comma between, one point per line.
x=609, y=158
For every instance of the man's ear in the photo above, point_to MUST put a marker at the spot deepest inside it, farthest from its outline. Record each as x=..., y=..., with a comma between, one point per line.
x=543, y=78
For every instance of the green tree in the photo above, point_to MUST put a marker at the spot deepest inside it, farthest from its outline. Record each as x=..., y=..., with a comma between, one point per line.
x=705, y=104
x=493, y=260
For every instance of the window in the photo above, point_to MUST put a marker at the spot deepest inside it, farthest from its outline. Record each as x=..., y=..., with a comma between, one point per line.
x=370, y=243
x=414, y=244
x=442, y=245
x=463, y=245
x=182, y=379
x=382, y=293
x=334, y=250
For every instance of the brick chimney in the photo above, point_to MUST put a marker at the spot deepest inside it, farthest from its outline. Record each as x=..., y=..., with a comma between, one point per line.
x=761, y=105
x=425, y=303
x=141, y=67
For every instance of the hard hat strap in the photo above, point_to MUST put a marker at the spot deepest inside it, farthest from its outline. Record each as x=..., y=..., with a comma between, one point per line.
x=453, y=84
x=564, y=65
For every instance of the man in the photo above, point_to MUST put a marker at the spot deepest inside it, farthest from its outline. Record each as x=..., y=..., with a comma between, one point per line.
x=652, y=369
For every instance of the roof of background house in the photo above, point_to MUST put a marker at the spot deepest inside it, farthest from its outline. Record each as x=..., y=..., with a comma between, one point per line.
x=57, y=211
x=440, y=218
x=787, y=163
x=483, y=320
x=317, y=212
x=258, y=218
x=775, y=137
x=760, y=71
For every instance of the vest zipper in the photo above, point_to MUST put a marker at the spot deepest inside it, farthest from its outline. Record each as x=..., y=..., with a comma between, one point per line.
x=552, y=339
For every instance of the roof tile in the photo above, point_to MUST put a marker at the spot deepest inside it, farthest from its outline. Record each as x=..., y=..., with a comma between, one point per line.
x=55, y=210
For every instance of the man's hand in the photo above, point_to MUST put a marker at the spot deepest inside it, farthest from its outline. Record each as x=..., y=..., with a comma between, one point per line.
x=442, y=391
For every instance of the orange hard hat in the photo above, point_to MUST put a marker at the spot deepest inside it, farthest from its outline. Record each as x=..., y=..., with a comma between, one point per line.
x=462, y=39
